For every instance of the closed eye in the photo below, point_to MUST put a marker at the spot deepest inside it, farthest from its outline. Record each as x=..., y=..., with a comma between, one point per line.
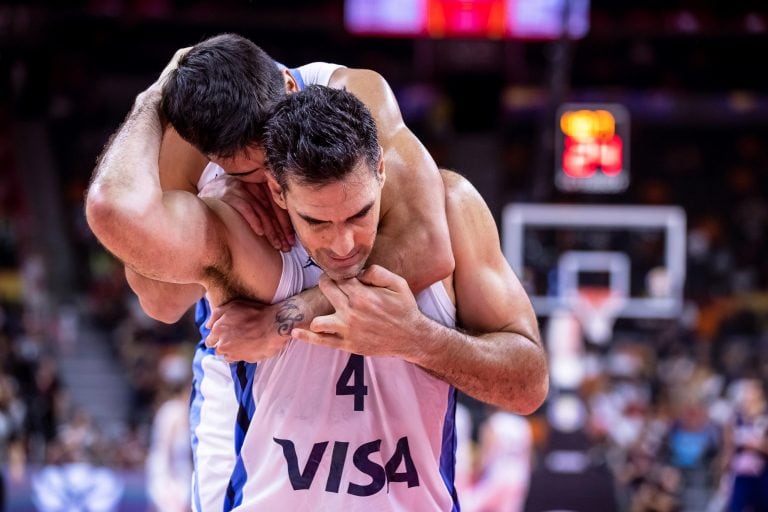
x=314, y=222
x=362, y=213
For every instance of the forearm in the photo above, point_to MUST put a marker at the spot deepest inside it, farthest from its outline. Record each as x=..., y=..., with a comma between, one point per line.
x=169, y=236
x=252, y=331
x=504, y=369
x=300, y=310
x=125, y=190
x=127, y=171
x=413, y=240
x=165, y=302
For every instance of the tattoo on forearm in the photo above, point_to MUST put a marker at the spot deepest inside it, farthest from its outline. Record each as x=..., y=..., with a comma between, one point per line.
x=287, y=317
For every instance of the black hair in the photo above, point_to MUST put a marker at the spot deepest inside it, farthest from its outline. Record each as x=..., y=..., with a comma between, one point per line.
x=221, y=93
x=318, y=136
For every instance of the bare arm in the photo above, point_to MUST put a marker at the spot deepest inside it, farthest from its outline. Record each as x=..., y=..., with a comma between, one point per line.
x=169, y=236
x=180, y=166
x=507, y=366
x=165, y=302
x=377, y=315
x=180, y=163
x=413, y=239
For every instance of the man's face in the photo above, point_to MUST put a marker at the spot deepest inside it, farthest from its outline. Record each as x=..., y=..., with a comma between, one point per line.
x=248, y=165
x=337, y=222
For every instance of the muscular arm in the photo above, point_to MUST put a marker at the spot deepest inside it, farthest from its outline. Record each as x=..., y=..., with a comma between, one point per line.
x=165, y=302
x=180, y=165
x=168, y=236
x=506, y=367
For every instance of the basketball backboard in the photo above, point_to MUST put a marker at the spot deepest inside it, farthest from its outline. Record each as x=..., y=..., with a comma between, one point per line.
x=635, y=252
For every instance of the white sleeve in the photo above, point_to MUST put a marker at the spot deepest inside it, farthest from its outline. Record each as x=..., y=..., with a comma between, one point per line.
x=318, y=73
x=211, y=172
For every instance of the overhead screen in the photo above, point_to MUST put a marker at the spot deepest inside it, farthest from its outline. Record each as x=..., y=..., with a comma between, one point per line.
x=501, y=19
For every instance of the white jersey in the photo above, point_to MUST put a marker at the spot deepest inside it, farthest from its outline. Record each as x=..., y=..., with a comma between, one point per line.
x=316, y=73
x=317, y=428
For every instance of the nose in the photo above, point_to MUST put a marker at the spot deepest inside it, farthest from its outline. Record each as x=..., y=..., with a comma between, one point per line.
x=343, y=243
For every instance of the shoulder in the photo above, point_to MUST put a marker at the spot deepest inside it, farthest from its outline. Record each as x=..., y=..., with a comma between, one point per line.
x=457, y=186
x=460, y=195
x=344, y=77
x=474, y=235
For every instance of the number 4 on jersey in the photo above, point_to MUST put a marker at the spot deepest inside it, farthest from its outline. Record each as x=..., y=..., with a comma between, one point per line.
x=352, y=381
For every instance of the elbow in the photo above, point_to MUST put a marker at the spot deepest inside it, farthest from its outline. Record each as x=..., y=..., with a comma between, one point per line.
x=533, y=389
x=104, y=211
x=534, y=397
x=441, y=261
x=444, y=264
x=98, y=210
x=115, y=216
x=163, y=314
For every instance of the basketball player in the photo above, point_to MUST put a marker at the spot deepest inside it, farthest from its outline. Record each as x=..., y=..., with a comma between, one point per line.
x=330, y=428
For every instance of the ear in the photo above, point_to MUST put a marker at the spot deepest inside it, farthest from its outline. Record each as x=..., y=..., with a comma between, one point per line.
x=276, y=190
x=381, y=170
x=290, y=83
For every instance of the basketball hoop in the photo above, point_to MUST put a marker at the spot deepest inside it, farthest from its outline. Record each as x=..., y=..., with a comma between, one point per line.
x=596, y=308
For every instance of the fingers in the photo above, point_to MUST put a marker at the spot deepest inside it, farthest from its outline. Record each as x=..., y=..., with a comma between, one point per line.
x=355, y=291
x=255, y=208
x=378, y=276
x=314, y=338
x=263, y=207
x=219, y=346
x=212, y=340
x=249, y=213
x=333, y=293
x=172, y=64
x=215, y=315
x=284, y=222
x=326, y=324
x=254, y=203
x=216, y=331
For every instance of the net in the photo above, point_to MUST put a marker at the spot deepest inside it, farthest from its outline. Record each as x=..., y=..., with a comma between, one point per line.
x=596, y=308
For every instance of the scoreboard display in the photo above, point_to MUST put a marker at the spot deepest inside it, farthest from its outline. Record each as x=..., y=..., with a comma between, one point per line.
x=495, y=19
x=592, y=148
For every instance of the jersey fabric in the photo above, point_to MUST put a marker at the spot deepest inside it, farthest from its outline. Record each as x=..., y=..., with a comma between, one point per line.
x=317, y=428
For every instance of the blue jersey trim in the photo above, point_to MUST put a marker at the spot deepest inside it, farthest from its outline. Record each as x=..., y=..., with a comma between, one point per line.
x=296, y=74
x=448, y=449
x=202, y=313
x=242, y=376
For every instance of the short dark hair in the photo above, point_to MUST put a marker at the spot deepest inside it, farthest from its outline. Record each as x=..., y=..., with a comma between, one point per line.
x=221, y=93
x=317, y=136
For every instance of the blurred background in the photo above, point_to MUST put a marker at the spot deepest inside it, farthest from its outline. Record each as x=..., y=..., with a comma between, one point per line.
x=653, y=305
